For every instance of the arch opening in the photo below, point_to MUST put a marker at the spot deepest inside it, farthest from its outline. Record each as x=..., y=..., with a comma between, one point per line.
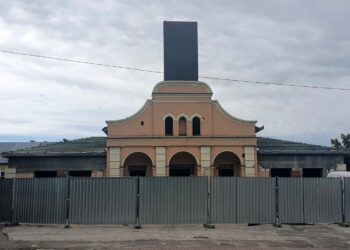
x=227, y=164
x=183, y=164
x=169, y=126
x=138, y=164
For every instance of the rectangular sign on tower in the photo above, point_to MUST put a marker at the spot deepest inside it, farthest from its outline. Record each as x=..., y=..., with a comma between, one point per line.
x=180, y=51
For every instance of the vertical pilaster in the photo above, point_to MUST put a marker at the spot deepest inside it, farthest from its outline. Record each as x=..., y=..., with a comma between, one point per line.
x=160, y=161
x=205, y=161
x=249, y=157
x=114, y=161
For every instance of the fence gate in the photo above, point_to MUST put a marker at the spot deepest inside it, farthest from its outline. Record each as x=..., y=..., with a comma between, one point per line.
x=40, y=201
x=6, y=189
x=103, y=200
x=173, y=200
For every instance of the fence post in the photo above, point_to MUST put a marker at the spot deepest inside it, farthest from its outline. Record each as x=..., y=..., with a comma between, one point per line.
x=67, y=201
x=137, y=224
x=277, y=219
x=208, y=224
x=13, y=205
x=342, y=188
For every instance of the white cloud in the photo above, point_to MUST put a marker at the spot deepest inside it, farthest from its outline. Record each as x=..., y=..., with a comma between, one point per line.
x=276, y=41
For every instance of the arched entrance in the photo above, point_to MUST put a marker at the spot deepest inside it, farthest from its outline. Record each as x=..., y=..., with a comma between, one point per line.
x=182, y=164
x=138, y=164
x=227, y=164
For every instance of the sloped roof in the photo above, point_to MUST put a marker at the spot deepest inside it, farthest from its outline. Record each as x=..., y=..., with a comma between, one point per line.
x=97, y=145
x=84, y=146
x=13, y=146
x=275, y=146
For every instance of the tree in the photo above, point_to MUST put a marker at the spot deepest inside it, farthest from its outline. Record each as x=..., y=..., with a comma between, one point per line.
x=345, y=141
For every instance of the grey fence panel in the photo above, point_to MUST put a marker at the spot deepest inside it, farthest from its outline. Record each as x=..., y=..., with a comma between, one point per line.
x=171, y=200
x=103, y=200
x=6, y=189
x=223, y=200
x=255, y=200
x=322, y=200
x=41, y=201
x=347, y=199
x=290, y=197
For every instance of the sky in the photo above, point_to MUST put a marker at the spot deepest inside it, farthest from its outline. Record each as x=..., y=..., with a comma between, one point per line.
x=300, y=42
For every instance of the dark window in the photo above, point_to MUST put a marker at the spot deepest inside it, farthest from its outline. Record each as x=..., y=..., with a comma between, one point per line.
x=312, y=172
x=280, y=172
x=45, y=174
x=169, y=126
x=142, y=123
x=226, y=172
x=181, y=170
x=196, y=126
x=2, y=174
x=80, y=173
x=347, y=162
x=182, y=126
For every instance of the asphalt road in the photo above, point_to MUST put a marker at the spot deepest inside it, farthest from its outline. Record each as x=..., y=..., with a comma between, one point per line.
x=230, y=236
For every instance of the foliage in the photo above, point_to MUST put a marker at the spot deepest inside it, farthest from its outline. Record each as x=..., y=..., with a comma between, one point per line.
x=345, y=141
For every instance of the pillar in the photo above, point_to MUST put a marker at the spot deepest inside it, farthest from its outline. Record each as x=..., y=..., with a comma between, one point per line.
x=249, y=158
x=160, y=161
x=205, y=161
x=114, y=161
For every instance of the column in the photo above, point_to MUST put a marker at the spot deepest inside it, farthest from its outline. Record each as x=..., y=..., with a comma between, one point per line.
x=249, y=156
x=114, y=161
x=160, y=161
x=205, y=161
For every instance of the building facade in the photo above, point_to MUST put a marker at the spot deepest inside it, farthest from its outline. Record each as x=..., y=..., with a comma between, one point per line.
x=181, y=131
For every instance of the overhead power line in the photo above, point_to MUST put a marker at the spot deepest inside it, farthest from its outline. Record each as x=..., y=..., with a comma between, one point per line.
x=160, y=72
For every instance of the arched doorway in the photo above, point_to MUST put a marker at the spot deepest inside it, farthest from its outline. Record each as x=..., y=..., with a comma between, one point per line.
x=182, y=164
x=227, y=164
x=138, y=164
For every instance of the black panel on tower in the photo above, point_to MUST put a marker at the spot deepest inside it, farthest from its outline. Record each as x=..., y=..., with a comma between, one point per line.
x=180, y=51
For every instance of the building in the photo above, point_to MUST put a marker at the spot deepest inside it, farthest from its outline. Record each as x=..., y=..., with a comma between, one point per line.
x=5, y=171
x=180, y=131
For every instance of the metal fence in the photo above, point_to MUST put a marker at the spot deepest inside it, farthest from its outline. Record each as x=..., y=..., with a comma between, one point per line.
x=174, y=200
x=40, y=201
x=103, y=200
x=346, y=199
x=6, y=190
x=310, y=200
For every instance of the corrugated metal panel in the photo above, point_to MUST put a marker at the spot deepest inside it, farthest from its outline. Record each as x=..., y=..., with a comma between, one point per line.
x=223, y=200
x=290, y=198
x=322, y=200
x=255, y=200
x=103, y=200
x=171, y=200
x=41, y=201
x=347, y=199
x=6, y=188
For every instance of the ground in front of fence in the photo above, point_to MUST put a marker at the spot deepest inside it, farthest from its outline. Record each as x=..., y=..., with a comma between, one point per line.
x=173, y=236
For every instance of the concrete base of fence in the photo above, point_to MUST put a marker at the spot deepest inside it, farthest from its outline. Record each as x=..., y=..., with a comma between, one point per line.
x=209, y=226
x=344, y=224
x=137, y=227
x=277, y=225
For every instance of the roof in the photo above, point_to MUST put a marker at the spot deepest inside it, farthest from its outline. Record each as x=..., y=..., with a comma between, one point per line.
x=97, y=146
x=13, y=146
x=86, y=146
x=275, y=146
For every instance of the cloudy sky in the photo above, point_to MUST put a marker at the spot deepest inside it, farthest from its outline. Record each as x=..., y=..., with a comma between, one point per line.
x=302, y=42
